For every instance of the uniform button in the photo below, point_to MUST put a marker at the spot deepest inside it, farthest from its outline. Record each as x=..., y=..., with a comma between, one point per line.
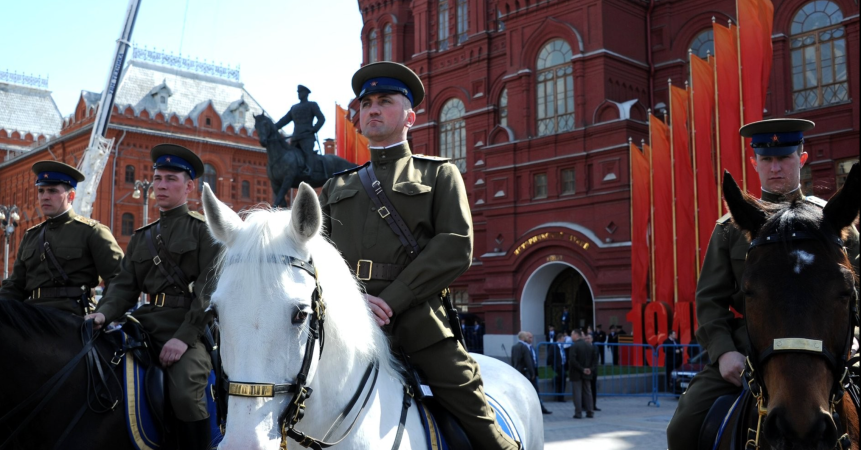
x=373, y=209
x=384, y=156
x=383, y=167
x=412, y=192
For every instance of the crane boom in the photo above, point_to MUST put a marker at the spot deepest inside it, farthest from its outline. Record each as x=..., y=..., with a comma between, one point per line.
x=96, y=155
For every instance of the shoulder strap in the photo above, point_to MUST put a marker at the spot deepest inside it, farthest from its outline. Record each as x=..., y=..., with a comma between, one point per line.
x=162, y=258
x=46, y=250
x=387, y=211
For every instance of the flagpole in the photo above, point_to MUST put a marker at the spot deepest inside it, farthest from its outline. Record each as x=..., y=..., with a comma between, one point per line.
x=693, y=140
x=740, y=97
x=673, y=196
x=631, y=183
x=651, y=208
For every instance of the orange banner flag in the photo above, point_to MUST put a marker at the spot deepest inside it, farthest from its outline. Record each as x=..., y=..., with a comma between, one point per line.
x=727, y=99
x=683, y=177
x=702, y=116
x=349, y=143
x=662, y=210
x=641, y=207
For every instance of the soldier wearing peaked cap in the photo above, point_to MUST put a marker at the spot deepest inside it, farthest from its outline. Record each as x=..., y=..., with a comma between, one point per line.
x=305, y=130
x=171, y=260
x=778, y=146
x=404, y=278
x=60, y=261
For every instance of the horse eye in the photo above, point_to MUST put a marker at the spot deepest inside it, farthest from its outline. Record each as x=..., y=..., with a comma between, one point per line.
x=299, y=317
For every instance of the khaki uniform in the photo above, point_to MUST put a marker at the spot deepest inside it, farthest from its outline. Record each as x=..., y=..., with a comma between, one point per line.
x=189, y=243
x=84, y=248
x=719, y=332
x=429, y=195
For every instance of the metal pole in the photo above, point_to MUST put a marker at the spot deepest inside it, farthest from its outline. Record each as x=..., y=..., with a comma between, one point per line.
x=146, y=206
x=6, y=257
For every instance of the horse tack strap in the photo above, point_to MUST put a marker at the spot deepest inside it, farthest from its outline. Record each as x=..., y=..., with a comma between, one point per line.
x=46, y=250
x=241, y=389
x=387, y=210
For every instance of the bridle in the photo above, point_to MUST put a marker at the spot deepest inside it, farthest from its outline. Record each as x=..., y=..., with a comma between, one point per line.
x=838, y=363
x=295, y=410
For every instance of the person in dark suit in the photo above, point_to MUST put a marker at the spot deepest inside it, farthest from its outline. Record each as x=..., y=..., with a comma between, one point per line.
x=581, y=367
x=566, y=319
x=600, y=343
x=613, y=341
x=594, y=383
x=673, y=354
x=525, y=360
x=551, y=334
x=556, y=359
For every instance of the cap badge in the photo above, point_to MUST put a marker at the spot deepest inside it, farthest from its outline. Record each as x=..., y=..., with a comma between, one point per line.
x=168, y=158
x=45, y=175
x=373, y=83
x=775, y=139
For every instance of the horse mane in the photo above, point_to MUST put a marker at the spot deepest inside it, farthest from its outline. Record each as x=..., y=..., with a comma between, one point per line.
x=349, y=325
x=33, y=320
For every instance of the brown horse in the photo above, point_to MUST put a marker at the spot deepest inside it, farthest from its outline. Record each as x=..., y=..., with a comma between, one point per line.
x=800, y=300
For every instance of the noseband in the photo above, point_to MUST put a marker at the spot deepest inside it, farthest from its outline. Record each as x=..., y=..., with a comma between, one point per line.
x=838, y=363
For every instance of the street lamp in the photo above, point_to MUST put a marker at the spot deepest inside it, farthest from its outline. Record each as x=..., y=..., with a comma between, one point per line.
x=146, y=187
x=9, y=219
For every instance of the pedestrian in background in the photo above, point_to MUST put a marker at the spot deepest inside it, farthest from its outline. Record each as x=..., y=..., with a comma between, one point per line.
x=581, y=365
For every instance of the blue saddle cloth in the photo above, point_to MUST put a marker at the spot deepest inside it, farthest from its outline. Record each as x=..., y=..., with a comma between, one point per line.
x=143, y=431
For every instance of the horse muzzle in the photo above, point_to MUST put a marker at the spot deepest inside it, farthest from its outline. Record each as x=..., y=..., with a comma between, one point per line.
x=784, y=431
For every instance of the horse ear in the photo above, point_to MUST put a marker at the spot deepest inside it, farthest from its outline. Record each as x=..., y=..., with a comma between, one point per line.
x=222, y=221
x=844, y=206
x=306, y=215
x=746, y=211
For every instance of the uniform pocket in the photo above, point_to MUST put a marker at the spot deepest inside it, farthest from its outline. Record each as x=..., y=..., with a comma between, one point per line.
x=411, y=188
x=67, y=253
x=342, y=194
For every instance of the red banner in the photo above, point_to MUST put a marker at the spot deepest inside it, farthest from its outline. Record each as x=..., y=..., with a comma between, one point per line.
x=349, y=144
x=686, y=243
x=727, y=98
x=662, y=198
x=641, y=207
x=702, y=112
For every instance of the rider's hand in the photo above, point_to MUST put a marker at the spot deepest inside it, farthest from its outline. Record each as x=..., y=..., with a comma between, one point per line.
x=380, y=308
x=172, y=351
x=98, y=319
x=731, y=364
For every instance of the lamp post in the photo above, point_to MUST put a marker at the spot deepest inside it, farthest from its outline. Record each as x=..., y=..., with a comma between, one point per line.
x=9, y=219
x=144, y=186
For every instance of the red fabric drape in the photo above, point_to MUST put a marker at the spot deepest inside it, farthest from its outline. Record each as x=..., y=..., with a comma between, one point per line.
x=727, y=97
x=686, y=244
x=702, y=98
x=349, y=144
x=641, y=206
x=662, y=226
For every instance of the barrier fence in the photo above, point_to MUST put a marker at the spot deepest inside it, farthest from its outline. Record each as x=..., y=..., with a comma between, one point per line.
x=664, y=371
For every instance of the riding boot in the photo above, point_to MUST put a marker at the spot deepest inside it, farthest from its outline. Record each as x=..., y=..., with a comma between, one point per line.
x=195, y=435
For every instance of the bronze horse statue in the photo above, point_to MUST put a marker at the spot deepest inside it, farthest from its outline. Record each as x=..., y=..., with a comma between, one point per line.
x=801, y=309
x=285, y=164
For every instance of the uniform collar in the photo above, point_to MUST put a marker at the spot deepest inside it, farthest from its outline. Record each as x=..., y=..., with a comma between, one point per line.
x=66, y=217
x=773, y=197
x=180, y=210
x=382, y=155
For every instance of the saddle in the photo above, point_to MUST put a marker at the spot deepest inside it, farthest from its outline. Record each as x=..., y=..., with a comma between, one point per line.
x=717, y=420
x=138, y=344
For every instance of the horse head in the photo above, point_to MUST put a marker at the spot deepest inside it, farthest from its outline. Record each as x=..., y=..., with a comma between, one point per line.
x=273, y=318
x=264, y=126
x=799, y=292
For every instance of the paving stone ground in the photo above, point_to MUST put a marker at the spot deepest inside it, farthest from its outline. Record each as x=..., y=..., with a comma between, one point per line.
x=623, y=423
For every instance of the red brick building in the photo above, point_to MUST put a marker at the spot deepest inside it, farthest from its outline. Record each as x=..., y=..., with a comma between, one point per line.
x=156, y=102
x=535, y=101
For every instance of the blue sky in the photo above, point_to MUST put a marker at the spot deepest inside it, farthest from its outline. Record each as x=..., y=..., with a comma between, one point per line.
x=277, y=43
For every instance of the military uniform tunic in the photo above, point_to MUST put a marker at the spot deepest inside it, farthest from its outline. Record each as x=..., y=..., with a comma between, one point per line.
x=189, y=243
x=429, y=195
x=84, y=248
x=719, y=332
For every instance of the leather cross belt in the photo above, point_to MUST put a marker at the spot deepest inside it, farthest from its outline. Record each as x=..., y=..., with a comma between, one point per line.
x=368, y=270
x=171, y=301
x=59, y=292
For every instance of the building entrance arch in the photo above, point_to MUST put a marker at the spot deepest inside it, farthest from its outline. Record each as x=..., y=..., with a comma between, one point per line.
x=547, y=291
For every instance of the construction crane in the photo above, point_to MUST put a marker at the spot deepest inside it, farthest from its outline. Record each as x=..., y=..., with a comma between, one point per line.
x=96, y=155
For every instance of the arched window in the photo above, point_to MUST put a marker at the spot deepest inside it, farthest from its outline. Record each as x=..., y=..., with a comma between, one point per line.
x=130, y=174
x=246, y=189
x=818, y=53
x=704, y=44
x=452, y=133
x=442, y=18
x=128, y=221
x=387, y=42
x=372, y=47
x=462, y=21
x=555, y=88
x=503, y=108
x=210, y=177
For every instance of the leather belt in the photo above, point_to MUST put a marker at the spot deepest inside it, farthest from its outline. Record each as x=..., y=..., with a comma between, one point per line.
x=171, y=301
x=368, y=270
x=59, y=292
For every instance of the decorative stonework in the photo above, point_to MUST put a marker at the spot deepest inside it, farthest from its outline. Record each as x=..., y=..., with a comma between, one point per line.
x=180, y=62
x=23, y=79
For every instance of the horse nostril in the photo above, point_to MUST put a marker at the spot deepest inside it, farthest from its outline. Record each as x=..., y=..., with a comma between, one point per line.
x=776, y=428
x=828, y=431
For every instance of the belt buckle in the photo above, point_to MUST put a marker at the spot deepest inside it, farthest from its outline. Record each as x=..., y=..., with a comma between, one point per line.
x=383, y=212
x=156, y=302
x=37, y=293
x=359, y=269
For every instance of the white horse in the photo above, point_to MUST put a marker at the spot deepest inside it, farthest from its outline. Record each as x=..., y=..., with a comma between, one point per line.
x=264, y=309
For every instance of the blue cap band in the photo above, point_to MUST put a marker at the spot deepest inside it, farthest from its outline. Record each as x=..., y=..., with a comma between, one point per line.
x=384, y=84
x=174, y=162
x=776, y=144
x=54, y=178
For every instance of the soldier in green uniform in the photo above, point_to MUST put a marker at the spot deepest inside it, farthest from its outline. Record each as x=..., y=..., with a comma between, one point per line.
x=60, y=260
x=779, y=156
x=178, y=282
x=403, y=286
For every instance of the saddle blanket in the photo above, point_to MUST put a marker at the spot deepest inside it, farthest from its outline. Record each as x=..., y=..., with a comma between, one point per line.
x=436, y=441
x=144, y=432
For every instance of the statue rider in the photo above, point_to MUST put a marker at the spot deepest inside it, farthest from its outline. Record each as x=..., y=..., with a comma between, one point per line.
x=305, y=130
